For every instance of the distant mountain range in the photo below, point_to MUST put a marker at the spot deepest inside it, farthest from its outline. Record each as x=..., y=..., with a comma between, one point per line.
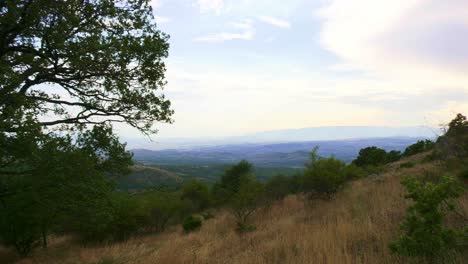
x=286, y=135
x=288, y=154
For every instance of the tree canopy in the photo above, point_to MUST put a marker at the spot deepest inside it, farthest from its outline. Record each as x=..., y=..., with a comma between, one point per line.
x=81, y=62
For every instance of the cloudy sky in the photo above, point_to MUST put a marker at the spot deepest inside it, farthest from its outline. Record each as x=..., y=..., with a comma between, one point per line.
x=242, y=66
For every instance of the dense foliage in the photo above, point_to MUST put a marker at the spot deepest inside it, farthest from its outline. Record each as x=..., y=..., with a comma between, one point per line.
x=424, y=230
x=59, y=178
x=373, y=156
x=69, y=69
x=424, y=233
x=323, y=176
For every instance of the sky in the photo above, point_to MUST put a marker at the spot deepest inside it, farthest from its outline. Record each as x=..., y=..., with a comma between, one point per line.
x=242, y=66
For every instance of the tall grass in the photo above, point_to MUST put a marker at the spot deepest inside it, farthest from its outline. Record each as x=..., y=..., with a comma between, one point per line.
x=353, y=227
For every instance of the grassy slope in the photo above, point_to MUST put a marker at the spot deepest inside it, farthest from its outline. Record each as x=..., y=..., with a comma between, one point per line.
x=355, y=227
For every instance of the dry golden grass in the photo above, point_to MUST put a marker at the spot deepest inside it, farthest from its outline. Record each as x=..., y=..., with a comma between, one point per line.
x=354, y=227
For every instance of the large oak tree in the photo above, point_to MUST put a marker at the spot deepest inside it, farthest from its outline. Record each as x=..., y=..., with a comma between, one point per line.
x=81, y=62
x=68, y=70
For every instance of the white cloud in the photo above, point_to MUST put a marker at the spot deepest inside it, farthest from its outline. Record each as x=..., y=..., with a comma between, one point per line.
x=421, y=43
x=247, y=33
x=207, y=6
x=277, y=22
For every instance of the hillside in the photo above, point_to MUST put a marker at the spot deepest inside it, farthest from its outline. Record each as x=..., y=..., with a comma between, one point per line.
x=142, y=176
x=354, y=227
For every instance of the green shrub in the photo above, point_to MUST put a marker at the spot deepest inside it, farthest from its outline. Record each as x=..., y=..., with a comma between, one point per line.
x=191, y=223
x=324, y=176
x=424, y=234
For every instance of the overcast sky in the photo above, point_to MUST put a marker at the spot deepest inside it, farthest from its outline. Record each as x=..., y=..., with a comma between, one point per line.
x=242, y=66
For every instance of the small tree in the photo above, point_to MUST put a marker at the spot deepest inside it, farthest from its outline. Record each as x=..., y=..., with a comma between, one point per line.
x=197, y=194
x=245, y=201
x=371, y=156
x=231, y=180
x=324, y=176
x=424, y=234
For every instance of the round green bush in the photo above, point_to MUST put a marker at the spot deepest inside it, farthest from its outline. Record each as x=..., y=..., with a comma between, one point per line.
x=191, y=223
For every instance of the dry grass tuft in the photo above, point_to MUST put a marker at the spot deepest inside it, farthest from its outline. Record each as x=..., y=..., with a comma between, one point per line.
x=354, y=227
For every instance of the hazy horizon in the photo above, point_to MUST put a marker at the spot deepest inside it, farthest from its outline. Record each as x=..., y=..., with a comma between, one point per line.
x=324, y=133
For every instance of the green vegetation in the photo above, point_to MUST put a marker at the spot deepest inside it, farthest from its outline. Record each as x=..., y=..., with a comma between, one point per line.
x=191, y=223
x=163, y=207
x=197, y=194
x=245, y=201
x=419, y=147
x=323, y=176
x=424, y=234
x=373, y=156
x=455, y=141
x=56, y=181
